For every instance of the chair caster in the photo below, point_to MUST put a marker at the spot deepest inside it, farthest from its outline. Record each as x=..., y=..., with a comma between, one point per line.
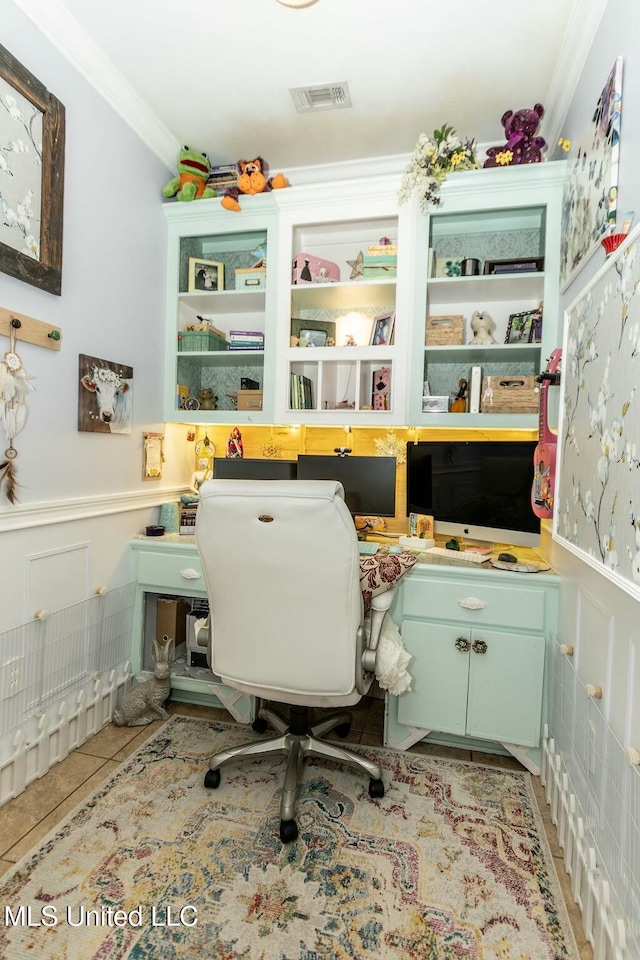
x=343, y=730
x=212, y=779
x=259, y=725
x=376, y=789
x=288, y=831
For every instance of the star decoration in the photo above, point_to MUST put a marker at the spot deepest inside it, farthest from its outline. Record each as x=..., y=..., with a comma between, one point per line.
x=391, y=446
x=357, y=267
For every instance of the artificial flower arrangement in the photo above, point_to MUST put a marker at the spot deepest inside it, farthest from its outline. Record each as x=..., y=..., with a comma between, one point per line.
x=434, y=158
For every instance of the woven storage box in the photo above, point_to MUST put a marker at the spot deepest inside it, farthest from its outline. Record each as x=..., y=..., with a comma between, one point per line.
x=510, y=394
x=444, y=331
x=190, y=340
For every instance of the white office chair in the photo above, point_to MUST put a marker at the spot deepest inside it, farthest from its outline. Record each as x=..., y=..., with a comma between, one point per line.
x=281, y=563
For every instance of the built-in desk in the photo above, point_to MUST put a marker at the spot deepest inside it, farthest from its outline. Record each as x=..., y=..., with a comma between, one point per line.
x=478, y=637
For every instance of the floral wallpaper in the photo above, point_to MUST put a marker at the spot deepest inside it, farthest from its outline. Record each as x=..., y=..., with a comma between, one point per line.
x=598, y=504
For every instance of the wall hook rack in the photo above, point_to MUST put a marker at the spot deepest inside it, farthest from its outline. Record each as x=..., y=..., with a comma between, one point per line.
x=29, y=330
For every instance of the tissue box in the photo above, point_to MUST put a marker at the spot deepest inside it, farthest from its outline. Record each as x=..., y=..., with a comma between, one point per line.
x=310, y=269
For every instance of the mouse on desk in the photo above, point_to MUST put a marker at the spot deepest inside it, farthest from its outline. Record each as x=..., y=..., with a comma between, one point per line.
x=507, y=558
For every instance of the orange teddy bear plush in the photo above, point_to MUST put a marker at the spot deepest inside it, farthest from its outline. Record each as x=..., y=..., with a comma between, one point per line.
x=252, y=179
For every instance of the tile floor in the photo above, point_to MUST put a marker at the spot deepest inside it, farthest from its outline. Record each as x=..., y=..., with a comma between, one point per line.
x=28, y=818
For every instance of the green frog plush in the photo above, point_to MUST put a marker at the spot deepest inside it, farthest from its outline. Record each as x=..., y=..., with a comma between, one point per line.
x=191, y=182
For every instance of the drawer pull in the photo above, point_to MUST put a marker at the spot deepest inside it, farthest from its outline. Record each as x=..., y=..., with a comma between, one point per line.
x=479, y=646
x=462, y=644
x=472, y=603
x=190, y=574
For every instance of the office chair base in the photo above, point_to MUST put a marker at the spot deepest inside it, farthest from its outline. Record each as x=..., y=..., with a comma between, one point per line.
x=296, y=746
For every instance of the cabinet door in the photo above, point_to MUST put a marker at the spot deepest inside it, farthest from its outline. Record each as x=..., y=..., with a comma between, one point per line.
x=440, y=671
x=505, y=687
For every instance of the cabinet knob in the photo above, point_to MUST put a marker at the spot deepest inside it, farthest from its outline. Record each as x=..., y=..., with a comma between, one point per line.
x=462, y=644
x=190, y=574
x=479, y=646
x=472, y=603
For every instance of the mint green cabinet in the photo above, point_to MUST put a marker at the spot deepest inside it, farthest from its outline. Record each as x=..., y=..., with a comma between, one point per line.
x=229, y=299
x=477, y=638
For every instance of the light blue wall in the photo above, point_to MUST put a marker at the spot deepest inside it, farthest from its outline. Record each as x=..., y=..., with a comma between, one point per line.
x=113, y=281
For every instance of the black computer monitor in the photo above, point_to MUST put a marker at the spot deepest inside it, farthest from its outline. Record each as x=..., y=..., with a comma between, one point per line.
x=244, y=468
x=369, y=482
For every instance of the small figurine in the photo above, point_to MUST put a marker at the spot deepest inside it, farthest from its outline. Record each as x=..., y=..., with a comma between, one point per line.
x=234, y=445
x=203, y=472
x=144, y=703
x=349, y=340
x=459, y=404
x=207, y=398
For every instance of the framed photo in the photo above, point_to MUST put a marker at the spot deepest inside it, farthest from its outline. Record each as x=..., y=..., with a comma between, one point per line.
x=519, y=265
x=382, y=330
x=105, y=395
x=33, y=191
x=589, y=199
x=327, y=327
x=520, y=327
x=314, y=338
x=205, y=275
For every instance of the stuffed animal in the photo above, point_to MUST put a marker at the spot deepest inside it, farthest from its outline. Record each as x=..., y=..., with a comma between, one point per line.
x=521, y=146
x=252, y=179
x=482, y=324
x=191, y=182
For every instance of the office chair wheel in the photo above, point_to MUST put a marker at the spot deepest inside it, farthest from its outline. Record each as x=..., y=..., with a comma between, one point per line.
x=344, y=730
x=288, y=831
x=259, y=725
x=376, y=789
x=212, y=779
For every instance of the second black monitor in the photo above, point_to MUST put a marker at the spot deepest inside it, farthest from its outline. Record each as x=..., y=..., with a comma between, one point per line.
x=244, y=468
x=369, y=482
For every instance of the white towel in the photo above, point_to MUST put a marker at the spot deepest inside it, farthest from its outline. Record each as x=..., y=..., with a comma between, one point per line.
x=392, y=660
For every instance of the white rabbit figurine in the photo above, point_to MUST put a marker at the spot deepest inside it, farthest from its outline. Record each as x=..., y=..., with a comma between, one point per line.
x=145, y=702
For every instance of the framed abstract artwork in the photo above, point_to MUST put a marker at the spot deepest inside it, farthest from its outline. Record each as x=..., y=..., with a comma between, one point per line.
x=32, y=132
x=589, y=201
x=597, y=508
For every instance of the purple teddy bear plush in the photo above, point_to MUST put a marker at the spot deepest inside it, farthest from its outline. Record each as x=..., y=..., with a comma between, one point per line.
x=519, y=128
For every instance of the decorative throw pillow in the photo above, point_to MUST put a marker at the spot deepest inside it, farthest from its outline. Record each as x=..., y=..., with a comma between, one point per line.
x=378, y=574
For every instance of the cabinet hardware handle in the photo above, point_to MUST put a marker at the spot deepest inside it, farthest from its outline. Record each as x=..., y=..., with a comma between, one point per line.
x=479, y=646
x=190, y=574
x=472, y=603
x=462, y=644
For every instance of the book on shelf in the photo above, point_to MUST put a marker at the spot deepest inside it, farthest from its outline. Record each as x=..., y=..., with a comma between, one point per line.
x=245, y=346
x=382, y=249
x=246, y=335
x=301, y=389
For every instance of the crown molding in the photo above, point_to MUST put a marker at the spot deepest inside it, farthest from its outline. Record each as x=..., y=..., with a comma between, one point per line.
x=578, y=40
x=65, y=33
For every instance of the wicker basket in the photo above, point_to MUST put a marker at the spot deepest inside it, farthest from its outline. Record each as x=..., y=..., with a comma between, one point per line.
x=200, y=340
x=445, y=331
x=510, y=393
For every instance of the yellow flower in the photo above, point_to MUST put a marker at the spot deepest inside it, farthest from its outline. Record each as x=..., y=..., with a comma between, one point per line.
x=457, y=158
x=504, y=158
x=564, y=144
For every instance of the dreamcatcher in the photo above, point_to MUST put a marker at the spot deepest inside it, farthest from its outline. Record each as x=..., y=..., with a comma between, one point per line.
x=14, y=386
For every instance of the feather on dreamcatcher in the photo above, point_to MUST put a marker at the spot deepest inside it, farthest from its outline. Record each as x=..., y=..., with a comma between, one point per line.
x=15, y=384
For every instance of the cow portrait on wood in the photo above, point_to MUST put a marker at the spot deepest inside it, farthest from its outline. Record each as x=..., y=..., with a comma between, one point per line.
x=105, y=401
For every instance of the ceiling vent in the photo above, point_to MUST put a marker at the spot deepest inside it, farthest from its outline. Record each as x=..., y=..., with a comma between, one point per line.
x=329, y=96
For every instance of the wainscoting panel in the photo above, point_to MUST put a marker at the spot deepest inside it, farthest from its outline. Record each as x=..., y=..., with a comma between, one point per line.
x=63, y=666
x=592, y=785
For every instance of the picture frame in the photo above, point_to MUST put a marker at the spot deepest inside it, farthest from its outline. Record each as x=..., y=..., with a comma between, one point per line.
x=205, y=276
x=382, y=330
x=314, y=338
x=589, y=199
x=520, y=327
x=31, y=247
x=517, y=265
x=298, y=324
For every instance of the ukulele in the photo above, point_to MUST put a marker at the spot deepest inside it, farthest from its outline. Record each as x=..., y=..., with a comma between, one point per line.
x=544, y=455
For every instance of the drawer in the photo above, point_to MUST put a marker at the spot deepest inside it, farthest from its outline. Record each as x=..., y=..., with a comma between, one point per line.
x=521, y=608
x=170, y=572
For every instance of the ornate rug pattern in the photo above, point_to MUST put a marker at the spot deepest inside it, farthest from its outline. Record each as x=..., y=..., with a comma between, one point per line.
x=452, y=863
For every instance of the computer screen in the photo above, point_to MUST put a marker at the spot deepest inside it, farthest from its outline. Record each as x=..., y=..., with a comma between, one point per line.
x=244, y=468
x=477, y=489
x=369, y=482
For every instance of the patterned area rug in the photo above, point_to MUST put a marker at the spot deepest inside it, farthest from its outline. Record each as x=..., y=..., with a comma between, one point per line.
x=452, y=863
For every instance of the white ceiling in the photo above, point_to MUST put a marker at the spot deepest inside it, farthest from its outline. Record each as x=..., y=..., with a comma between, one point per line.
x=217, y=76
